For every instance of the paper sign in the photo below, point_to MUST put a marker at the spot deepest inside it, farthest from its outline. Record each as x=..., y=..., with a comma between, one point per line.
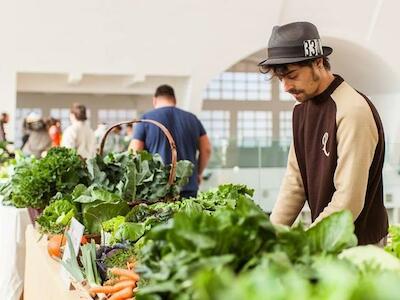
x=75, y=231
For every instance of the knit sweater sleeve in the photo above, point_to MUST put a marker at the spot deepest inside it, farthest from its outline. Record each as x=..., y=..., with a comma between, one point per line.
x=291, y=196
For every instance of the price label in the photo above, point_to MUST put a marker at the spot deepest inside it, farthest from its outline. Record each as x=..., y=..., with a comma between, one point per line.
x=75, y=231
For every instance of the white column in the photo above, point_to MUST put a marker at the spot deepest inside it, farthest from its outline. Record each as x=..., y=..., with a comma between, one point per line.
x=193, y=100
x=8, y=99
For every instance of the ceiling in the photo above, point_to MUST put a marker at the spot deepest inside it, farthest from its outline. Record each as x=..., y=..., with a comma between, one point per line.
x=192, y=39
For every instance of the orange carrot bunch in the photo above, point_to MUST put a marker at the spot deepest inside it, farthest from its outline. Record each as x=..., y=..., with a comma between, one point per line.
x=123, y=286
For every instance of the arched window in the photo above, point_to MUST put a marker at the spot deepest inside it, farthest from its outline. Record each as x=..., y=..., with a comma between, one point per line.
x=248, y=109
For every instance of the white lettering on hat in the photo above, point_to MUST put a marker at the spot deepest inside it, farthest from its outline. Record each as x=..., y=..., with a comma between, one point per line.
x=312, y=48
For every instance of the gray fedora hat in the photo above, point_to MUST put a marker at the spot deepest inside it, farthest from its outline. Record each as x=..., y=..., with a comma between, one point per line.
x=294, y=42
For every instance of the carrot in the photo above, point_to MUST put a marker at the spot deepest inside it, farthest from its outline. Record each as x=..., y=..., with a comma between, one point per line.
x=114, y=288
x=121, y=278
x=131, y=265
x=124, y=284
x=102, y=289
x=122, y=294
x=55, y=243
x=115, y=280
x=124, y=272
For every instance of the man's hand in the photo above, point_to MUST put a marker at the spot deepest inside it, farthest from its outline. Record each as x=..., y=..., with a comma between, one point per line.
x=200, y=179
x=204, y=153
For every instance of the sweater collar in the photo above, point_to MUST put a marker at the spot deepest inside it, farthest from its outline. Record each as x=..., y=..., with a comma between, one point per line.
x=330, y=89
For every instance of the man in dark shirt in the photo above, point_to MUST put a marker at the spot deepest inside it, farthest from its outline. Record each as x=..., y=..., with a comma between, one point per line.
x=186, y=129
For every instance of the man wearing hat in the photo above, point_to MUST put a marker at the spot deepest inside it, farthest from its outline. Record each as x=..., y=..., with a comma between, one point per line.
x=336, y=158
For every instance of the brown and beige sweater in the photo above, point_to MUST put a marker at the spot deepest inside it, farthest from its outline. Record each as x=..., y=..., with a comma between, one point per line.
x=335, y=162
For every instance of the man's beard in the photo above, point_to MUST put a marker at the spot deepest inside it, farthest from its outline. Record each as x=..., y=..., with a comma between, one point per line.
x=306, y=96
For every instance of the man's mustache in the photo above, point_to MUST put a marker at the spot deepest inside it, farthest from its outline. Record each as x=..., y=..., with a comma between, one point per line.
x=294, y=92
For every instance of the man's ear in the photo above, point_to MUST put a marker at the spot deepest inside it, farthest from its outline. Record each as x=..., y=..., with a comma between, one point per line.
x=319, y=62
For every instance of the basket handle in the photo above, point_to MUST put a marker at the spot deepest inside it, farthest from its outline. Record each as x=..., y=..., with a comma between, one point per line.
x=172, y=174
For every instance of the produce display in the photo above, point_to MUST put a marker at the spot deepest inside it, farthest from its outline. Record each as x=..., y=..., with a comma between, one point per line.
x=5, y=155
x=6, y=160
x=36, y=181
x=143, y=242
x=63, y=185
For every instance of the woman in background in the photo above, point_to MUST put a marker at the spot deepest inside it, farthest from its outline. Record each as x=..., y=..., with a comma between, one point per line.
x=79, y=135
x=55, y=132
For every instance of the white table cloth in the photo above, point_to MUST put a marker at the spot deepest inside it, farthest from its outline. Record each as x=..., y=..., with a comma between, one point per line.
x=13, y=223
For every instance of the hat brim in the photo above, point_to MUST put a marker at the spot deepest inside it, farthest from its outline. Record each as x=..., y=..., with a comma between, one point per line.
x=290, y=60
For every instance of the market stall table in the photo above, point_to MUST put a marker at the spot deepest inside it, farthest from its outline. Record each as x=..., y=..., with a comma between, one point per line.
x=42, y=274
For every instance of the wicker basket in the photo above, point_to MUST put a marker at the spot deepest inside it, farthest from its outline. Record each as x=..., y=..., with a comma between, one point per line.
x=174, y=155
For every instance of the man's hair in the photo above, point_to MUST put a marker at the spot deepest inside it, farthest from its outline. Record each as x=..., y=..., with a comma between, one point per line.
x=165, y=91
x=4, y=115
x=79, y=111
x=281, y=70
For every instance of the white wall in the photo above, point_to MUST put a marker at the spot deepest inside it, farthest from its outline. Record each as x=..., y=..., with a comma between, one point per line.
x=93, y=103
x=389, y=107
x=8, y=98
x=188, y=38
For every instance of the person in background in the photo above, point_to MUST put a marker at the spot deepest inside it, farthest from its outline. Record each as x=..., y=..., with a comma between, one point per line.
x=79, y=135
x=336, y=158
x=115, y=141
x=129, y=130
x=25, y=133
x=3, y=120
x=187, y=131
x=39, y=140
x=128, y=135
x=99, y=133
x=55, y=132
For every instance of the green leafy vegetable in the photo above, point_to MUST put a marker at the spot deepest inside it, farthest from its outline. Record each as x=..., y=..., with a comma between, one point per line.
x=175, y=250
x=95, y=213
x=393, y=246
x=332, y=279
x=113, y=224
x=57, y=216
x=120, y=257
x=371, y=254
x=121, y=231
x=35, y=182
x=5, y=155
x=241, y=239
x=137, y=177
x=332, y=234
